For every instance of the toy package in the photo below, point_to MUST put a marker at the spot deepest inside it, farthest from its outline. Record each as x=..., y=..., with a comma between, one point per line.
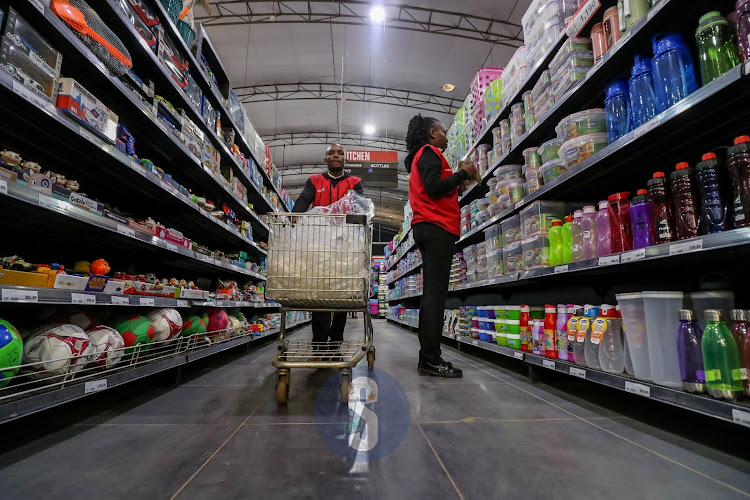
x=90, y=111
x=27, y=40
x=14, y=62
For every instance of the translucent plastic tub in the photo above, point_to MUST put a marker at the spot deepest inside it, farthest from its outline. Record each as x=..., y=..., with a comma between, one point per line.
x=582, y=148
x=536, y=252
x=722, y=300
x=511, y=229
x=513, y=258
x=537, y=218
x=566, y=80
x=569, y=46
x=572, y=61
x=591, y=121
x=492, y=238
x=634, y=325
x=662, y=322
x=509, y=172
x=552, y=170
x=548, y=150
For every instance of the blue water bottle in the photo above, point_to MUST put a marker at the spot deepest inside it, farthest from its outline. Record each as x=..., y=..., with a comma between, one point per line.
x=617, y=107
x=672, y=70
x=641, y=90
x=713, y=209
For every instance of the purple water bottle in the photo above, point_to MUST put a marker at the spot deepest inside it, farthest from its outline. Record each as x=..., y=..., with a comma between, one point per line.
x=640, y=220
x=713, y=213
x=603, y=229
x=689, y=336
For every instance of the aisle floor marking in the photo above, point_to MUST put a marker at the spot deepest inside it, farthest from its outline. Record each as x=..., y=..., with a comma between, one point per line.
x=434, y=451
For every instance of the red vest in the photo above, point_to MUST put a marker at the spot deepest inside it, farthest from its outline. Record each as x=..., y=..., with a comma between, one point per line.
x=442, y=210
x=326, y=193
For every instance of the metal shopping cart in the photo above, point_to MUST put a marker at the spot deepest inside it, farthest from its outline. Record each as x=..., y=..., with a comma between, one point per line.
x=319, y=263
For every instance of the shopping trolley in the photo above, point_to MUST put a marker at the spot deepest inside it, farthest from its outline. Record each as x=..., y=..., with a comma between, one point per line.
x=319, y=263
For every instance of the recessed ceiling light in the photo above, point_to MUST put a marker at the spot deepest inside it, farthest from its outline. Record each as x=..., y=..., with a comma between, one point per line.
x=272, y=17
x=377, y=14
x=448, y=87
x=369, y=129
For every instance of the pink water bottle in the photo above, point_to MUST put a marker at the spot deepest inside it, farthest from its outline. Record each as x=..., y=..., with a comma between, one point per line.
x=602, y=229
x=621, y=237
x=590, y=240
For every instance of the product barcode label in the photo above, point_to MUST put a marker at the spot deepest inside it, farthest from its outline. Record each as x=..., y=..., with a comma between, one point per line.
x=639, y=389
x=172, y=248
x=127, y=231
x=82, y=298
x=182, y=303
x=146, y=301
x=633, y=255
x=3, y=187
x=518, y=355
x=577, y=372
x=743, y=371
x=561, y=269
x=548, y=364
x=609, y=260
x=120, y=301
x=688, y=246
x=95, y=386
x=646, y=127
x=741, y=417
x=20, y=296
x=582, y=16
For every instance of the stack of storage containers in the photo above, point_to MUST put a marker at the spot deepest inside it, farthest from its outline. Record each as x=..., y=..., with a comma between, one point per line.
x=493, y=240
x=570, y=65
x=552, y=166
x=514, y=74
x=543, y=23
x=479, y=85
x=512, y=251
x=536, y=221
x=531, y=165
x=581, y=135
x=458, y=270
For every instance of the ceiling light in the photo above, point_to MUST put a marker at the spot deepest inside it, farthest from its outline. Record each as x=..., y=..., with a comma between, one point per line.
x=448, y=87
x=272, y=17
x=369, y=129
x=377, y=14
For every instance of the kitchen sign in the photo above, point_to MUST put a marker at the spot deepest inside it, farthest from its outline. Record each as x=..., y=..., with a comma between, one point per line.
x=377, y=169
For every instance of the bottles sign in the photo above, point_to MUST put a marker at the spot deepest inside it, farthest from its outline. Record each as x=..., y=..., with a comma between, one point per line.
x=609, y=260
x=741, y=417
x=577, y=372
x=561, y=269
x=518, y=355
x=581, y=18
x=3, y=187
x=639, y=389
x=82, y=298
x=633, y=255
x=120, y=301
x=20, y=296
x=548, y=364
x=686, y=247
x=95, y=386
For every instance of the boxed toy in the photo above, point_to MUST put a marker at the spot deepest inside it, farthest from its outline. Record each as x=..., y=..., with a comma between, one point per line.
x=156, y=289
x=23, y=278
x=169, y=56
x=193, y=136
x=91, y=283
x=30, y=42
x=140, y=20
x=172, y=236
x=14, y=62
x=87, y=109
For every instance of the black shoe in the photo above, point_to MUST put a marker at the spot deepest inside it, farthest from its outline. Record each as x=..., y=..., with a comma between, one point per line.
x=444, y=369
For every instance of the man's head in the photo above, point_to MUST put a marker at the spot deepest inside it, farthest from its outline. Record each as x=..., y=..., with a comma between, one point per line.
x=335, y=159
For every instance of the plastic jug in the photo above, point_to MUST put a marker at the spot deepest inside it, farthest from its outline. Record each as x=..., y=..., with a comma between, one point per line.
x=563, y=315
x=713, y=214
x=640, y=220
x=597, y=332
x=617, y=108
x=641, y=90
x=567, y=238
x=603, y=228
x=661, y=209
x=672, y=70
x=738, y=162
x=584, y=331
x=588, y=227
x=739, y=332
x=576, y=235
x=621, y=238
x=689, y=336
x=683, y=198
x=740, y=20
x=555, y=243
x=612, y=346
x=717, y=51
x=721, y=360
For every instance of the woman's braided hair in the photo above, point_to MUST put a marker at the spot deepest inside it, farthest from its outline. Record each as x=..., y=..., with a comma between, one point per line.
x=418, y=133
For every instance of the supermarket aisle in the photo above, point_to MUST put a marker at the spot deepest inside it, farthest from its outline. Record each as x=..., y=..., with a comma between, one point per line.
x=490, y=435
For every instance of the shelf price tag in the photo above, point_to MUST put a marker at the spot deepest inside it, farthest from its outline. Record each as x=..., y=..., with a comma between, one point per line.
x=633, y=255
x=82, y=298
x=639, y=389
x=561, y=269
x=646, y=128
x=32, y=97
x=3, y=187
x=577, y=372
x=741, y=417
x=146, y=301
x=475, y=342
x=120, y=301
x=95, y=386
x=172, y=248
x=20, y=296
x=89, y=136
x=182, y=303
x=582, y=16
x=518, y=355
x=47, y=201
x=548, y=364
x=127, y=231
x=686, y=247
x=609, y=260
x=39, y=4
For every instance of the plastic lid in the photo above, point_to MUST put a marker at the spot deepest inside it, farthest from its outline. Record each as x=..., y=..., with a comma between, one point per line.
x=603, y=205
x=597, y=27
x=712, y=314
x=710, y=19
x=683, y=170
x=568, y=218
x=590, y=311
x=549, y=308
x=642, y=65
x=686, y=315
x=642, y=191
x=578, y=214
x=738, y=315
x=618, y=87
x=641, y=197
x=589, y=209
x=681, y=165
x=658, y=175
x=556, y=222
x=709, y=160
x=619, y=196
x=525, y=309
x=708, y=156
x=607, y=311
x=666, y=41
x=741, y=145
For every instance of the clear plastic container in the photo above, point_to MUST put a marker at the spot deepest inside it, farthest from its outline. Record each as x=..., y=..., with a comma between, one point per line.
x=545, y=102
x=662, y=322
x=570, y=46
x=497, y=208
x=544, y=82
x=495, y=265
x=509, y=172
x=537, y=218
x=482, y=216
x=571, y=62
x=504, y=201
x=552, y=170
x=535, y=252
x=539, y=12
x=516, y=112
x=581, y=148
x=567, y=79
x=544, y=44
x=516, y=191
x=548, y=150
x=517, y=130
x=492, y=183
x=634, y=324
x=722, y=300
x=513, y=258
x=483, y=203
x=591, y=121
x=514, y=83
x=511, y=228
x=505, y=129
x=492, y=238
x=531, y=158
x=493, y=196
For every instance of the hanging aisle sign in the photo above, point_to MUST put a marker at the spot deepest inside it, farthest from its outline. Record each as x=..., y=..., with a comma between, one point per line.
x=377, y=169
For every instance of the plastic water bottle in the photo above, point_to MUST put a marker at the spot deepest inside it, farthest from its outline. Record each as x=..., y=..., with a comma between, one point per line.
x=577, y=314
x=555, y=243
x=641, y=90
x=603, y=229
x=595, y=337
x=550, y=331
x=721, y=360
x=661, y=209
x=689, y=336
x=717, y=51
x=672, y=70
x=640, y=220
x=713, y=213
x=740, y=334
x=537, y=334
x=567, y=238
x=590, y=235
x=612, y=348
x=683, y=196
x=576, y=235
x=563, y=314
x=738, y=161
x=617, y=107
x=584, y=330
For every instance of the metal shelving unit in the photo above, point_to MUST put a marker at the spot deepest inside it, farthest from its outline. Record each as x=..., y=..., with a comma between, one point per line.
x=406, y=272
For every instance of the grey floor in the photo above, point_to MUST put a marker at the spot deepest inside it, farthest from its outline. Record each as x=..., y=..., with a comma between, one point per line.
x=493, y=434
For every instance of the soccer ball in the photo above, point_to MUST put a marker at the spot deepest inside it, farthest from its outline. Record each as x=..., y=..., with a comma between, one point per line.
x=56, y=351
x=11, y=351
x=106, y=345
x=217, y=321
x=193, y=325
x=235, y=327
x=167, y=322
x=83, y=319
x=135, y=330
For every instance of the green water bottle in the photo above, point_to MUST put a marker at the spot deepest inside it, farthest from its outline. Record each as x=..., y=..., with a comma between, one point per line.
x=567, y=237
x=717, y=50
x=721, y=359
x=555, y=243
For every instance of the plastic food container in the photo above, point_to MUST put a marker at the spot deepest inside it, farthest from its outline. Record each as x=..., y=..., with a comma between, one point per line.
x=513, y=258
x=496, y=135
x=516, y=131
x=516, y=112
x=591, y=121
x=495, y=266
x=570, y=46
x=504, y=128
x=529, y=119
x=492, y=238
x=509, y=172
x=544, y=82
x=662, y=320
x=483, y=216
x=552, y=170
x=492, y=183
x=567, y=80
x=571, y=61
x=537, y=218
x=505, y=146
x=634, y=325
x=581, y=148
x=722, y=300
x=544, y=102
x=516, y=190
x=548, y=150
x=504, y=201
x=541, y=47
x=497, y=208
x=536, y=252
x=483, y=203
x=493, y=195
x=511, y=230
x=531, y=158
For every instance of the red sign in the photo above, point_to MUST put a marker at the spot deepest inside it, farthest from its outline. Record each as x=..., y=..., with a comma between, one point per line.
x=372, y=156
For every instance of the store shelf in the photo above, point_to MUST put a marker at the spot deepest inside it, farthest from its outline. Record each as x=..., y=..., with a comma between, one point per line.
x=236, y=303
x=406, y=297
x=411, y=246
x=406, y=272
x=29, y=295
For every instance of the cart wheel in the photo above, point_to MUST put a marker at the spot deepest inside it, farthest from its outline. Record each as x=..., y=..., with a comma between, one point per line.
x=371, y=359
x=282, y=389
x=345, y=379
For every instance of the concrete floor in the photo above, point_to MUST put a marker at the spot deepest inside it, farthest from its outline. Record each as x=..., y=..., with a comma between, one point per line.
x=492, y=434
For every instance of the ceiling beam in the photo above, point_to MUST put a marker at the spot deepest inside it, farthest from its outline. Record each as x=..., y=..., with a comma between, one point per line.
x=325, y=138
x=358, y=93
x=356, y=13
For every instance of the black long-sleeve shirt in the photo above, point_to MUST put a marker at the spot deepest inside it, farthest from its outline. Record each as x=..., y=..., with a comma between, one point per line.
x=307, y=196
x=430, y=168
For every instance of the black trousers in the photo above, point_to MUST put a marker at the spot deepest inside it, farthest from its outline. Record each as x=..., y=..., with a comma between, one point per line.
x=324, y=327
x=437, y=246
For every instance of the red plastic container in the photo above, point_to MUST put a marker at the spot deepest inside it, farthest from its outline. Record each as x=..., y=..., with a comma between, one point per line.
x=621, y=237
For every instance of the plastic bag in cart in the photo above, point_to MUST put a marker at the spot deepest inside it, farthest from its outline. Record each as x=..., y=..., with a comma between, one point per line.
x=351, y=204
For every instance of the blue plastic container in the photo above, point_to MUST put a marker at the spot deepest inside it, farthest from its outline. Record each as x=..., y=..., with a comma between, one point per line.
x=672, y=70
x=641, y=90
x=617, y=107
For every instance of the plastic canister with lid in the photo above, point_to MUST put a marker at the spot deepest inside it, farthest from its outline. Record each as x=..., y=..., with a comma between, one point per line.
x=713, y=214
x=611, y=23
x=661, y=209
x=738, y=161
x=598, y=41
x=683, y=196
x=601, y=327
x=640, y=220
x=740, y=19
x=621, y=237
x=617, y=108
x=603, y=229
x=641, y=90
x=717, y=51
x=672, y=70
x=588, y=229
x=632, y=11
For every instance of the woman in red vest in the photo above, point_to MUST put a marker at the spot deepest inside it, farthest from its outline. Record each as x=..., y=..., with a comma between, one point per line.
x=436, y=224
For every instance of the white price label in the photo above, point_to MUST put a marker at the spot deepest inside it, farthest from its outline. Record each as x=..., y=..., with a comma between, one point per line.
x=89, y=136
x=519, y=204
x=31, y=96
x=172, y=248
x=561, y=269
x=741, y=417
x=95, y=386
x=688, y=246
x=82, y=298
x=146, y=301
x=182, y=303
x=639, y=254
x=127, y=231
x=548, y=364
x=609, y=260
x=20, y=296
x=624, y=40
x=518, y=355
x=646, y=127
x=577, y=372
x=83, y=202
x=582, y=16
x=39, y=5
x=475, y=342
x=3, y=187
x=120, y=301
x=138, y=168
x=639, y=389
x=47, y=201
